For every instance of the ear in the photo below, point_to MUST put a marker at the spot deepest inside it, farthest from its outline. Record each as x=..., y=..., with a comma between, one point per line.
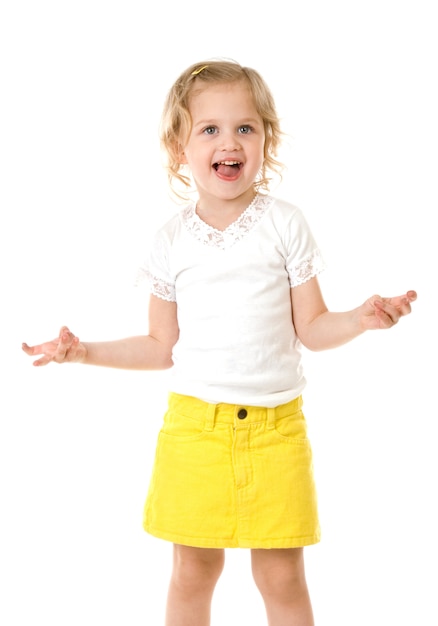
x=180, y=154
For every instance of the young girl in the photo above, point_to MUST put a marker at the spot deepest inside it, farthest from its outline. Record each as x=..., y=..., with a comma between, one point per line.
x=234, y=294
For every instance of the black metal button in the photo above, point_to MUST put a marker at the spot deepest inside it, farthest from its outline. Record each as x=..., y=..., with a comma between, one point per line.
x=242, y=414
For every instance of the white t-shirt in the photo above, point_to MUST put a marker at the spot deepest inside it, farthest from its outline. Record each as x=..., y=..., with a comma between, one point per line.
x=237, y=342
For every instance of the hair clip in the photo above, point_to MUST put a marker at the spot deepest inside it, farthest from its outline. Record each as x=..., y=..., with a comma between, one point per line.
x=198, y=71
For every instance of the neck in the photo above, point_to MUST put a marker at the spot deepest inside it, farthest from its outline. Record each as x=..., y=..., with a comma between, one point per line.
x=220, y=214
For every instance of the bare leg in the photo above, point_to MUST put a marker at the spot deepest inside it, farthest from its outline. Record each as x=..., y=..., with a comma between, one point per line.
x=194, y=577
x=280, y=577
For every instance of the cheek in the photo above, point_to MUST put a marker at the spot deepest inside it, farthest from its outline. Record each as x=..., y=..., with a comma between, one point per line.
x=198, y=156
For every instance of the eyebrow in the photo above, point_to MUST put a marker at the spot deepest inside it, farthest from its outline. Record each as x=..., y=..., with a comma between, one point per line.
x=245, y=120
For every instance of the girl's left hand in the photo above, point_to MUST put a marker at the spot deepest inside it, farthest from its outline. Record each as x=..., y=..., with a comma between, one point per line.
x=380, y=312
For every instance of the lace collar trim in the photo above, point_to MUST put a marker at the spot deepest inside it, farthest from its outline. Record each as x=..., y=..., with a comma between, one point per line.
x=224, y=239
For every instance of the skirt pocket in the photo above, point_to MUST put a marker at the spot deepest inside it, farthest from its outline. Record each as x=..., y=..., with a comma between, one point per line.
x=182, y=427
x=292, y=427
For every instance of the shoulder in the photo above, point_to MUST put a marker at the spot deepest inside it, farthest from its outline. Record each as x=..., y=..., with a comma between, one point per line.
x=174, y=222
x=285, y=215
x=282, y=206
x=298, y=243
x=174, y=226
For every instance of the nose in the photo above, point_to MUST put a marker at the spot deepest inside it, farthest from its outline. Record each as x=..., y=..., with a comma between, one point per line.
x=229, y=141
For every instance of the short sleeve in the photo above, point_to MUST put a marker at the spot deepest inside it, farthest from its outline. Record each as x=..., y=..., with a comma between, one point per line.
x=155, y=271
x=303, y=257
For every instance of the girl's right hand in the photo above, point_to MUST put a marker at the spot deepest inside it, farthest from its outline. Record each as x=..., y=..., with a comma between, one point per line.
x=66, y=348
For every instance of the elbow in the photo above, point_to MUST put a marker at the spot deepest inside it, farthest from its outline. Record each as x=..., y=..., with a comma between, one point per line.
x=163, y=360
x=311, y=342
x=305, y=340
x=311, y=346
x=166, y=363
x=160, y=355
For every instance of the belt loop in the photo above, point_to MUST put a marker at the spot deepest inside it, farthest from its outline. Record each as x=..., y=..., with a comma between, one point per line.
x=209, y=417
x=271, y=418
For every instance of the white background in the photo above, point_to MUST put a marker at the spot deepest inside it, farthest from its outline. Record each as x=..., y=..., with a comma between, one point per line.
x=82, y=190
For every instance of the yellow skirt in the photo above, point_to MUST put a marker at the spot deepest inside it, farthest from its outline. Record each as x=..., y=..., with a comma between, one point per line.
x=229, y=476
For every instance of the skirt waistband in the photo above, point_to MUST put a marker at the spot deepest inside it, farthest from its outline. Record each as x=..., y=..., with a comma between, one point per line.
x=237, y=414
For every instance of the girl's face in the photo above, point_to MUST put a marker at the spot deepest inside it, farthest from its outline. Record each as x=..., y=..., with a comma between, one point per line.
x=225, y=148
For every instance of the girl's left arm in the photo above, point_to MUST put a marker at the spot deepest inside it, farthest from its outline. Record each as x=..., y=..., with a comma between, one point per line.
x=321, y=329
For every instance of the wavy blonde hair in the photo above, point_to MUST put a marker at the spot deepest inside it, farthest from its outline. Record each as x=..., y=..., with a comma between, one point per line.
x=176, y=122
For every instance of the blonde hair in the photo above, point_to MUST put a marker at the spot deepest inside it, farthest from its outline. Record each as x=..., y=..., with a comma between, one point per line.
x=176, y=121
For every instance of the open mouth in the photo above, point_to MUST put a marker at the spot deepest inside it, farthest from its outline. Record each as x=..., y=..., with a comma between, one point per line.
x=227, y=168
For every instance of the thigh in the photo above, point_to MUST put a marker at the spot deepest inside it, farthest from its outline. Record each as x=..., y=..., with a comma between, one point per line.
x=191, y=553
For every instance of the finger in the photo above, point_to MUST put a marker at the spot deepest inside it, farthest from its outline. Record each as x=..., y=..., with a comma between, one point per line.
x=398, y=306
x=35, y=350
x=65, y=334
x=32, y=350
x=61, y=351
x=44, y=360
x=386, y=313
x=408, y=297
x=66, y=341
x=411, y=295
x=404, y=302
x=405, y=307
x=27, y=349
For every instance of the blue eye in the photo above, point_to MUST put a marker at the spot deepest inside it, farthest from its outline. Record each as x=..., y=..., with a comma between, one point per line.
x=245, y=129
x=210, y=130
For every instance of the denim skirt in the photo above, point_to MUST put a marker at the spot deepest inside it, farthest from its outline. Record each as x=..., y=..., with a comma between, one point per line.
x=228, y=476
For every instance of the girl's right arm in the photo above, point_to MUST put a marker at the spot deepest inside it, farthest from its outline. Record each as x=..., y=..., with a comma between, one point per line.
x=145, y=352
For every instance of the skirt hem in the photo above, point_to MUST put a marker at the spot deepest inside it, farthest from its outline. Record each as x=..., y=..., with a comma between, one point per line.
x=213, y=542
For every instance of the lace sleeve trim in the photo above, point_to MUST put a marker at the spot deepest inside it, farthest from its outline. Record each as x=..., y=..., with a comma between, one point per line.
x=309, y=267
x=158, y=287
